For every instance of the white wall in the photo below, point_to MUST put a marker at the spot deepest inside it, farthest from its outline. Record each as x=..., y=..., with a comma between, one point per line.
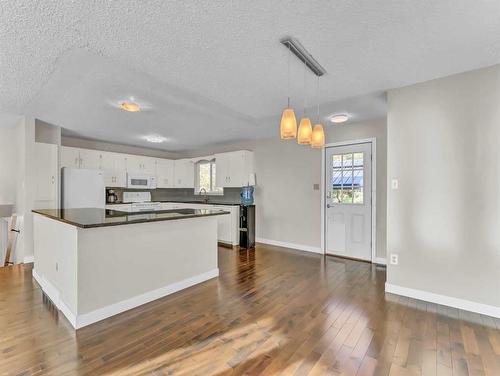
x=8, y=162
x=444, y=220
x=288, y=208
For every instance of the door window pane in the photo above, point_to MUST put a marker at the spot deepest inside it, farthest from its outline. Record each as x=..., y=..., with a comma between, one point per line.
x=348, y=178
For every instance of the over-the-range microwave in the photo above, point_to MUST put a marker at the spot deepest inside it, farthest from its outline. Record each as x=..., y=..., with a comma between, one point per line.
x=141, y=181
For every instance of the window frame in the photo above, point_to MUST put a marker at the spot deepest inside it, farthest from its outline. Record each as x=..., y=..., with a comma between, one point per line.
x=211, y=192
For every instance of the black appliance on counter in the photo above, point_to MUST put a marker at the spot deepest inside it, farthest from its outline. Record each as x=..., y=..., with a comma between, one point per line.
x=247, y=226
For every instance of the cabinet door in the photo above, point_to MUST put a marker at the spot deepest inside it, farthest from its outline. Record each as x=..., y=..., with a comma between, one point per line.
x=120, y=170
x=165, y=173
x=149, y=166
x=222, y=169
x=46, y=180
x=236, y=169
x=183, y=173
x=223, y=226
x=107, y=165
x=89, y=159
x=134, y=164
x=70, y=157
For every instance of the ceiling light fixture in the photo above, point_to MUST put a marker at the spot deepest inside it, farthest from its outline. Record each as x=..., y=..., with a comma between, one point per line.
x=130, y=106
x=305, y=126
x=318, y=134
x=340, y=118
x=288, y=125
x=156, y=139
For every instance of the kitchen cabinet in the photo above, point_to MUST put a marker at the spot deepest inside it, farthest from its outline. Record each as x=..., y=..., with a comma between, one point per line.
x=70, y=157
x=46, y=176
x=165, y=173
x=227, y=225
x=140, y=165
x=114, y=166
x=183, y=173
x=233, y=168
x=89, y=159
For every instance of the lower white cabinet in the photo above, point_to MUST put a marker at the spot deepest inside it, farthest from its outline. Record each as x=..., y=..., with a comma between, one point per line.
x=227, y=225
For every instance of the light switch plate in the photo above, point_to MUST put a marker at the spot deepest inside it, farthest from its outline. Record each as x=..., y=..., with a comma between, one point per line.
x=316, y=187
x=394, y=183
x=394, y=259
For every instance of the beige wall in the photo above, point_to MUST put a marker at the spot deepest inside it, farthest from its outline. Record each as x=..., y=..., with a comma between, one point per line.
x=288, y=208
x=444, y=220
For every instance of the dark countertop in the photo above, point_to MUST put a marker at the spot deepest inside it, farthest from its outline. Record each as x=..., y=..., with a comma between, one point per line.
x=95, y=217
x=186, y=202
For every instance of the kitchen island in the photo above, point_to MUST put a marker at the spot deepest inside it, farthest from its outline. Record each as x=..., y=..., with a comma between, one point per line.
x=95, y=263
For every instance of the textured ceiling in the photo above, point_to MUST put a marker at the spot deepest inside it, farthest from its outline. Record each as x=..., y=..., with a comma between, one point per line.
x=216, y=69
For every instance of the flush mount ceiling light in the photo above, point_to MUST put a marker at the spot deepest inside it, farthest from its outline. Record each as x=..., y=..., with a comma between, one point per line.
x=130, y=106
x=154, y=138
x=288, y=126
x=340, y=118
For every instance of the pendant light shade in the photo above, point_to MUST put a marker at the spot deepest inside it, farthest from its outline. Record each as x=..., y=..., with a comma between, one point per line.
x=305, y=132
x=288, y=127
x=318, y=136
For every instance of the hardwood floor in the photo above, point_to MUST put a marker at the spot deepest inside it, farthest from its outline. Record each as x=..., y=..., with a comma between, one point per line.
x=271, y=311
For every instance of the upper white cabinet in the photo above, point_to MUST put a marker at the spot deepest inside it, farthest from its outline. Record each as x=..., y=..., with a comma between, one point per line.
x=46, y=178
x=70, y=157
x=114, y=166
x=183, y=173
x=89, y=159
x=164, y=173
x=233, y=168
x=140, y=165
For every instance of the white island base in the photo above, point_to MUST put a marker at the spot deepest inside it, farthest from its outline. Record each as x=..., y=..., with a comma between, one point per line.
x=94, y=273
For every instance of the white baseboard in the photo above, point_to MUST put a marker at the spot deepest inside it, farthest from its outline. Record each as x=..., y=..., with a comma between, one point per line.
x=79, y=321
x=125, y=305
x=300, y=247
x=449, y=301
x=380, y=260
x=28, y=259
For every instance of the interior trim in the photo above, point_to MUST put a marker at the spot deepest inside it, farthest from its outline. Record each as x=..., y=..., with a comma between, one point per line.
x=300, y=247
x=449, y=301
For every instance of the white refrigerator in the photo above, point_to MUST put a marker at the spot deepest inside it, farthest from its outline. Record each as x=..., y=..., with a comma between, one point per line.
x=82, y=188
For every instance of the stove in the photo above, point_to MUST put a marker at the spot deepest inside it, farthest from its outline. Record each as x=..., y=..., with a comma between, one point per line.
x=141, y=201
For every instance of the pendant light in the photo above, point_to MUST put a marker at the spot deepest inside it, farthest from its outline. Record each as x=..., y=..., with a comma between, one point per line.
x=305, y=127
x=288, y=126
x=318, y=135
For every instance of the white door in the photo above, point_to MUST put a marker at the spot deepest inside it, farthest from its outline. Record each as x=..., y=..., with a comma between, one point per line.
x=348, y=201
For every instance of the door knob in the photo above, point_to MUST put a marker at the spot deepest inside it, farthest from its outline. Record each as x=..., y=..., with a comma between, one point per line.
x=328, y=206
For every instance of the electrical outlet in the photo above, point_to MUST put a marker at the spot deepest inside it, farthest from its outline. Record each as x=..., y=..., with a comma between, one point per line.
x=394, y=259
x=394, y=183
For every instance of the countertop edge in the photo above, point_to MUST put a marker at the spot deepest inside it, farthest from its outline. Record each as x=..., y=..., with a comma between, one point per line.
x=79, y=225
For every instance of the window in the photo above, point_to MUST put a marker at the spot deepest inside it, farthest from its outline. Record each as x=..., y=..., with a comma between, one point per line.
x=205, y=178
x=347, y=178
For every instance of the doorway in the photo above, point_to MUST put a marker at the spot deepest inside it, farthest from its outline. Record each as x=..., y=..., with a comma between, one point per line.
x=348, y=200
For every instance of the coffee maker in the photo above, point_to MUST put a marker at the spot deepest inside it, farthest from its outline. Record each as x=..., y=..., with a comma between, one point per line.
x=111, y=196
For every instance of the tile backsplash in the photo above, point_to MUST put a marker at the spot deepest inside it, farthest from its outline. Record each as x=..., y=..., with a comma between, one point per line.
x=231, y=195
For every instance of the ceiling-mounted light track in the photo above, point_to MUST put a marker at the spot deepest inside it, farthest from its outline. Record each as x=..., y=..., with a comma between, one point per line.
x=298, y=50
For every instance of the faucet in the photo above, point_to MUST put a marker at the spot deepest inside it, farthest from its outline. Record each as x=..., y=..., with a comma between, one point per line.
x=205, y=199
